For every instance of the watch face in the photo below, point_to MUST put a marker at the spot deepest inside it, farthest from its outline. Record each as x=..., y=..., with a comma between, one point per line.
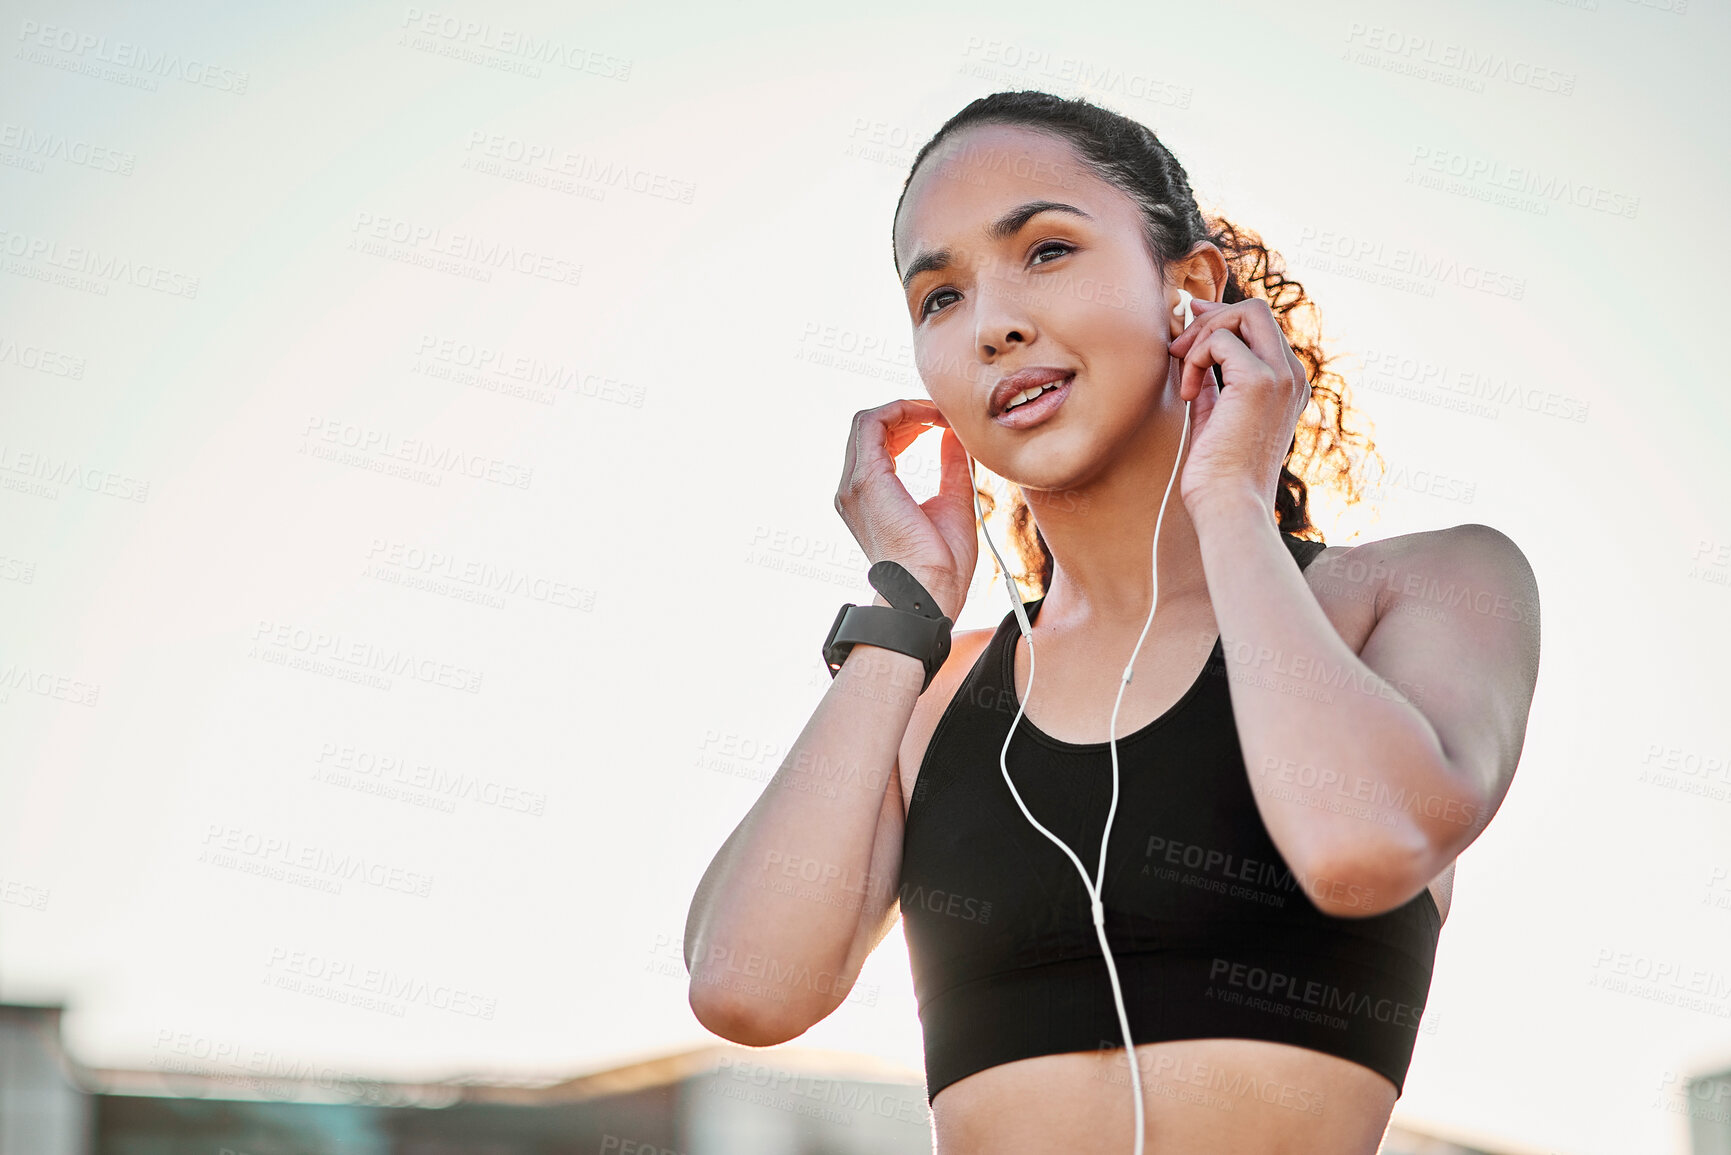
x=834, y=656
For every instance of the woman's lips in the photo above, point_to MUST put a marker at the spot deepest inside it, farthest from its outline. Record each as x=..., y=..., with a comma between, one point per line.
x=1039, y=409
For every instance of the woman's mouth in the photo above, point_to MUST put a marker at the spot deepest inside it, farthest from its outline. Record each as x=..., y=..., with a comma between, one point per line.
x=1032, y=412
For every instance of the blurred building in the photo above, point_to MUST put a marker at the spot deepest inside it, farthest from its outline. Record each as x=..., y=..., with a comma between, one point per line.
x=1706, y=1102
x=43, y=1108
x=719, y=1100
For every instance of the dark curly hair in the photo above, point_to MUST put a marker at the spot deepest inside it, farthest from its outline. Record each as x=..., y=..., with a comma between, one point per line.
x=1130, y=157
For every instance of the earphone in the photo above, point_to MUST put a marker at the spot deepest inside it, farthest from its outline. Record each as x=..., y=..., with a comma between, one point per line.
x=1093, y=888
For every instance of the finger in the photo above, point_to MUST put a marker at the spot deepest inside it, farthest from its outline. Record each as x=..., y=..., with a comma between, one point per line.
x=1255, y=324
x=952, y=509
x=1262, y=332
x=1194, y=377
x=874, y=435
x=1182, y=342
x=909, y=430
x=1210, y=315
x=1200, y=408
x=1237, y=362
x=953, y=465
x=1257, y=327
x=935, y=415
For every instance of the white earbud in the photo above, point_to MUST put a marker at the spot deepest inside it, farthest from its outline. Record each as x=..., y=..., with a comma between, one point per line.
x=1093, y=886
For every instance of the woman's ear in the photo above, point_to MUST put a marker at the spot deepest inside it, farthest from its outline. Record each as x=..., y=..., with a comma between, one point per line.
x=1203, y=272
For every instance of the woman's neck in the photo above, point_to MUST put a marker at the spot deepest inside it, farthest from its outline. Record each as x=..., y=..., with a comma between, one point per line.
x=1101, y=537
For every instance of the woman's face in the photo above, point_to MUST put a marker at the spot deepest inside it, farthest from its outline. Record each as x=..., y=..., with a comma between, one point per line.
x=996, y=287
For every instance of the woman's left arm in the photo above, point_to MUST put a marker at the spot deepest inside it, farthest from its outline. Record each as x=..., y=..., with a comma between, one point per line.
x=1373, y=770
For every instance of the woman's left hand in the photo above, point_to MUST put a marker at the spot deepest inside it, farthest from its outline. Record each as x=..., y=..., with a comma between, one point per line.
x=1239, y=435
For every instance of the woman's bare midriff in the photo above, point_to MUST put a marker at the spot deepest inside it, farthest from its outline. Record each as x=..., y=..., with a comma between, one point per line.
x=1200, y=1096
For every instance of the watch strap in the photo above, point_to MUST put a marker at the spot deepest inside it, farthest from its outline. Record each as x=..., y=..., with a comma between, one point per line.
x=924, y=638
x=903, y=590
x=911, y=624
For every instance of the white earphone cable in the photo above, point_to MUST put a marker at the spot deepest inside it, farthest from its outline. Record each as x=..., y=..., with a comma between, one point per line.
x=1092, y=887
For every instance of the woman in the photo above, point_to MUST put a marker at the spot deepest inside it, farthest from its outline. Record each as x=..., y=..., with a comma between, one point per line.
x=1310, y=737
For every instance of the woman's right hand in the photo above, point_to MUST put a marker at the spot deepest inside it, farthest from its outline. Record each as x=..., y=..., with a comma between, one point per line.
x=935, y=540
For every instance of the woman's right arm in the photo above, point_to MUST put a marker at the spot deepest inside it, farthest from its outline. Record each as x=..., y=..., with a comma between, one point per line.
x=805, y=887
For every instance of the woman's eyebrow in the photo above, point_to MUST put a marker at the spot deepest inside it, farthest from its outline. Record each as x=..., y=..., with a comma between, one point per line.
x=1003, y=228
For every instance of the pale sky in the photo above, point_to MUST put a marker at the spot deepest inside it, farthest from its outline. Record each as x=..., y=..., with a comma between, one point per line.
x=254, y=628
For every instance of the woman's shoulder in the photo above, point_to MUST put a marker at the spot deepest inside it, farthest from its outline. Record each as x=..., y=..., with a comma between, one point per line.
x=1469, y=539
x=1471, y=563
x=1417, y=583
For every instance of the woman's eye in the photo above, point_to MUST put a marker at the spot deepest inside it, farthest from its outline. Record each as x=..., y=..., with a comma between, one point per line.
x=1050, y=246
x=925, y=305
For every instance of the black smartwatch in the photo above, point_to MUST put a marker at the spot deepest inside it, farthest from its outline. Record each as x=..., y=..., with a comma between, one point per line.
x=911, y=624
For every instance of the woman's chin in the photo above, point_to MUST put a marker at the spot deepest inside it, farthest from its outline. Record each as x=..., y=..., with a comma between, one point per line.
x=1051, y=474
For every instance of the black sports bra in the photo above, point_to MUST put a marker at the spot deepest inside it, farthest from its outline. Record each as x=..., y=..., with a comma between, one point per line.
x=1212, y=934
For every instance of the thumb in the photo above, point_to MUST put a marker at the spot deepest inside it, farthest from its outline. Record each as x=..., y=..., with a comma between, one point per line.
x=955, y=488
x=1206, y=400
x=953, y=466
